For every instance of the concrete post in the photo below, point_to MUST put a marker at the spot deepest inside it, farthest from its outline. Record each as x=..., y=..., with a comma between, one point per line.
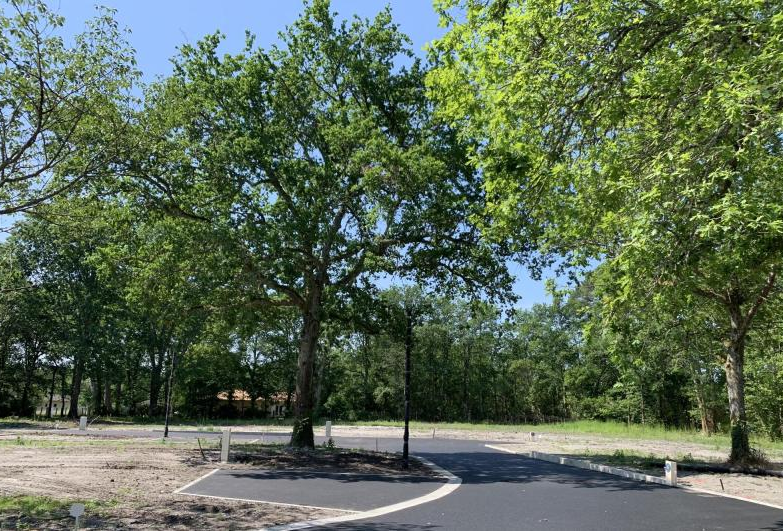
x=670, y=468
x=328, y=429
x=83, y=422
x=226, y=442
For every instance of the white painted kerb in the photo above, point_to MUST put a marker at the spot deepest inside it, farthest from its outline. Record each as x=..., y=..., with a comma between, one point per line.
x=625, y=473
x=587, y=465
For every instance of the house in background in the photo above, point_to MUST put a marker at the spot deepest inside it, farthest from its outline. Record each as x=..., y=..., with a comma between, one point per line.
x=57, y=405
x=275, y=405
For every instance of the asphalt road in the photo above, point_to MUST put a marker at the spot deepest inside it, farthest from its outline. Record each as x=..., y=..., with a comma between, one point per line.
x=316, y=488
x=503, y=491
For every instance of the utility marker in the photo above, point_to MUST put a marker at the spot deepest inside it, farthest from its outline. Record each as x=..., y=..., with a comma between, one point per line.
x=77, y=510
x=328, y=429
x=670, y=468
x=225, y=443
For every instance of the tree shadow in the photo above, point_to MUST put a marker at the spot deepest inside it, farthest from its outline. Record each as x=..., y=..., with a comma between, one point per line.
x=380, y=526
x=333, y=475
x=485, y=467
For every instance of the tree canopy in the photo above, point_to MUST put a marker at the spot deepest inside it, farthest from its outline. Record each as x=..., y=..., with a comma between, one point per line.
x=646, y=135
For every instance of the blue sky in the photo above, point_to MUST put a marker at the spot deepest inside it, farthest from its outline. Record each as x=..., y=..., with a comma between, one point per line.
x=158, y=27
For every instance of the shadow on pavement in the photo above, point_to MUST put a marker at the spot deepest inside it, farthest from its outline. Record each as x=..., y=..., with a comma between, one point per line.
x=342, y=477
x=483, y=467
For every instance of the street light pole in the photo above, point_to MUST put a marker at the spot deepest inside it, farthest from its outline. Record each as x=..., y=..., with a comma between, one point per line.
x=168, y=394
x=408, y=348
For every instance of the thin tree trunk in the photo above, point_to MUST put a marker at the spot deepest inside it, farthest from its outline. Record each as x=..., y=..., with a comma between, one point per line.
x=51, y=393
x=155, y=383
x=107, y=395
x=705, y=428
x=169, y=388
x=76, y=387
x=118, y=398
x=96, y=387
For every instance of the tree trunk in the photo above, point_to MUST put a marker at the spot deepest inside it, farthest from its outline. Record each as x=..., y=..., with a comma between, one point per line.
x=107, y=395
x=169, y=390
x=96, y=387
x=118, y=398
x=51, y=393
x=63, y=391
x=705, y=426
x=302, y=435
x=735, y=385
x=740, y=322
x=155, y=383
x=76, y=387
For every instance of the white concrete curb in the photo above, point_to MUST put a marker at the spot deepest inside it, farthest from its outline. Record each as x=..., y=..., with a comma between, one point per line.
x=452, y=484
x=624, y=473
x=578, y=463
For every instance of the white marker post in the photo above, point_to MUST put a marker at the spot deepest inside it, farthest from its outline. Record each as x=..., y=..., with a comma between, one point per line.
x=226, y=441
x=670, y=468
x=328, y=429
x=83, y=423
x=77, y=510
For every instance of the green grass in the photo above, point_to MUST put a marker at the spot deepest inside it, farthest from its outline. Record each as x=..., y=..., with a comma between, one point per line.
x=635, y=459
x=35, y=442
x=611, y=429
x=590, y=427
x=41, y=506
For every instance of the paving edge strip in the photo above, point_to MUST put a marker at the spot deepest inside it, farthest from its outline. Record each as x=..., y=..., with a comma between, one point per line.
x=452, y=483
x=579, y=463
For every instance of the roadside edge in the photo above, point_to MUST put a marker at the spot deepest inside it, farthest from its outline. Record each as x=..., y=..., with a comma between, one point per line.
x=579, y=463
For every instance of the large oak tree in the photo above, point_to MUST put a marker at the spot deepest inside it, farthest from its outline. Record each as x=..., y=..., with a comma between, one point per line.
x=312, y=167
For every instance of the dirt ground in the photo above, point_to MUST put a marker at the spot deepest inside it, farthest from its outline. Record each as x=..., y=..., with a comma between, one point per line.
x=132, y=481
x=337, y=459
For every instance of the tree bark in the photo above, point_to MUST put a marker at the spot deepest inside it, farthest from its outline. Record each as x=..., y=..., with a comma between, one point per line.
x=735, y=383
x=76, y=387
x=63, y=391
x=156, y=382
x=107, y=394
x=739, y=322
x=51, y=393
x=302, y=435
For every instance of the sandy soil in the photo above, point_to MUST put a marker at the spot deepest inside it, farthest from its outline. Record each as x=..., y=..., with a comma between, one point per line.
x=132, y=479
x=342, y=460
